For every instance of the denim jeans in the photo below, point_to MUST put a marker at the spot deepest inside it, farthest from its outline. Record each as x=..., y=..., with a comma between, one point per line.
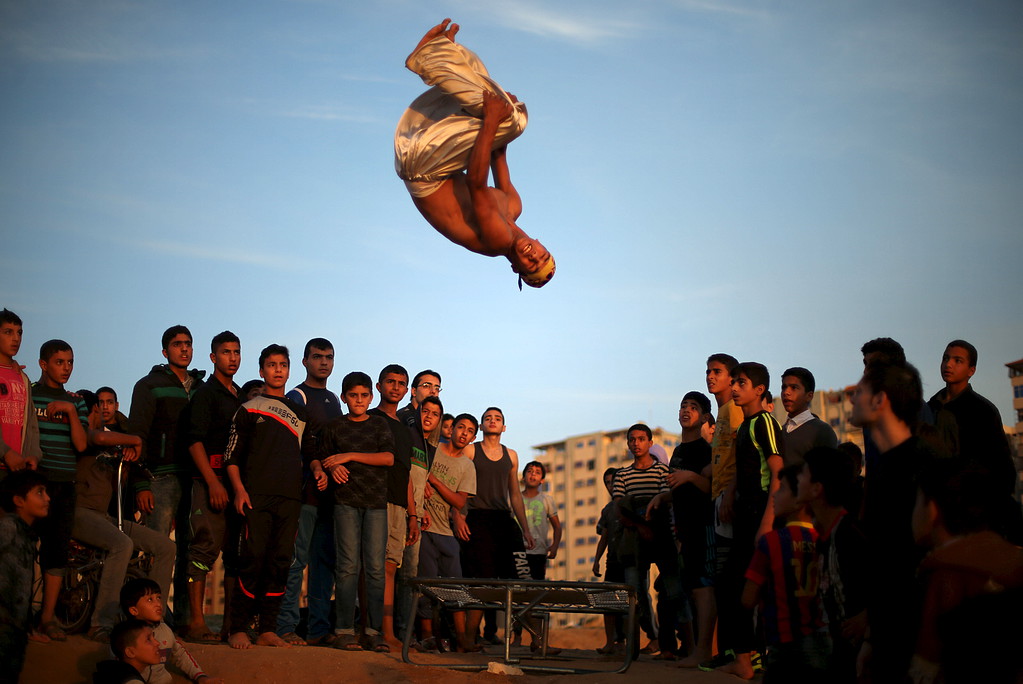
x=360, y=537
x=403, y=608
x=172, y=498
x=314, y=547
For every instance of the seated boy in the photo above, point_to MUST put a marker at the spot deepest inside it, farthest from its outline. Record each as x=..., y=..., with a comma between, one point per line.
x=824, y=484
x=95, y=484
x=135, y=650
x=782, y=577
x=141, y=599
x=23, y=496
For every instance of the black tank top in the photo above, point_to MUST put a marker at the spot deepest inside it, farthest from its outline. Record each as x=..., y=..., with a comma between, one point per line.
x=491, y=480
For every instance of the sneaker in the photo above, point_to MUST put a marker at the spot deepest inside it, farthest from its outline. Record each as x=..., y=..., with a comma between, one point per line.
x=757, y=660
x=717, y=661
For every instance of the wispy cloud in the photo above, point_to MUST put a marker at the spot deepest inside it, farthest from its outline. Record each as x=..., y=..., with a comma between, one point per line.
x=578, y=25
x=714, y=6
x=328, y=113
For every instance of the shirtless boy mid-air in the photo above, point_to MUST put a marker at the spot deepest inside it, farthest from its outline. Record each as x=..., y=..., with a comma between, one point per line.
x=448, y=142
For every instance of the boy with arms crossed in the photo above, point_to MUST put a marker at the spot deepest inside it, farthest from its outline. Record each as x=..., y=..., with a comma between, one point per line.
x=356, y=450
x=264, y=460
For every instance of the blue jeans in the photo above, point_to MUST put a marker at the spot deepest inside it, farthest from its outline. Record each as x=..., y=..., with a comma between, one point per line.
x=314, y=546
x=403, y=608
x=360, y=537
x=172, y=502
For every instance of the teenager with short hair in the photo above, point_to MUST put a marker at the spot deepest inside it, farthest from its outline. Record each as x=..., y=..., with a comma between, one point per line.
x=63, y=437
x=264, y=461
x=887, y=401
x=492, y=544
x=451, y=482
x=689, y=478
x=207, y=424
x=356, y=450
x=803, y=430
x=19, y=428
x=722, y=480
x=402, y=514
x=314, y=545
x=157, y=401
x=542, y=514
x=757, y=462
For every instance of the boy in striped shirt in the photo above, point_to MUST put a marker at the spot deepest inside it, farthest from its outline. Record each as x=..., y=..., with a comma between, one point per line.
x=782, y=578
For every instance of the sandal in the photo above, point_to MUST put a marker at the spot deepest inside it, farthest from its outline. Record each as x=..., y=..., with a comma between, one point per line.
x=52, y=631
x=327, y=640
x=428, y=645
x=347, y=642
x=293, y=639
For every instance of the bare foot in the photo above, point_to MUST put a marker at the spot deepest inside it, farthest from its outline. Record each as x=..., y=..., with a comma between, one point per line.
x=38, y=637
x=240, y=640
x=393, y=642
x=440, y=29
x=741, y=667
x=694, y=659
x=271, y=639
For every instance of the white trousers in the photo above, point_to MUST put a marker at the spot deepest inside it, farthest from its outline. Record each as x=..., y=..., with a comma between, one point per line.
x=435, y=136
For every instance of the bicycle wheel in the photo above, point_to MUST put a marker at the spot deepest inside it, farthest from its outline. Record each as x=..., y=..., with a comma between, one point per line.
x=75, y=604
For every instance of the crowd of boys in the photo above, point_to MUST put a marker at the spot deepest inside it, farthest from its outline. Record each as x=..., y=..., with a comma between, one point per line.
x=765, y=536
x=768, y=537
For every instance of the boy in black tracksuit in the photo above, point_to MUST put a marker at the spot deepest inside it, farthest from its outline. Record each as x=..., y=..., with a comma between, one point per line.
x=264, y=459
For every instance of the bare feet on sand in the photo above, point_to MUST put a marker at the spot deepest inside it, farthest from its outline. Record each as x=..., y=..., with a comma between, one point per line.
x=271, y=639
x=240, y=640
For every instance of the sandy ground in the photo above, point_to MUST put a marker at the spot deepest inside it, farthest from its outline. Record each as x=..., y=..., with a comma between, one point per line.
x=75, y=661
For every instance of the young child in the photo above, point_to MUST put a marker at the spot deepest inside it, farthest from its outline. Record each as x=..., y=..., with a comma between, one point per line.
x=141, y=599
x=782, y=578
x=23, y=496
x=609, y=528
x=135, y=651
x=356, y=450
x=952, y=514
x=842, y=551
x=542, y=514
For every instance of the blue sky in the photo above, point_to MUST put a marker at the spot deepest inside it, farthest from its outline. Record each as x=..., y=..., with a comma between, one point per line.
x=778, y=180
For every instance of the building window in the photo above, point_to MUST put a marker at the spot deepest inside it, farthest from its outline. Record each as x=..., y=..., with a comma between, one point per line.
x=612, y=459
x=580, y=502
x=578, y=465
x=591, y=481
x=592, y=442
x=591, y=500
x=579, y=445
x=580, y=522
x=580, y=541
x=558, y=468
x=591, y=464
x=580, y=561
x=560, y=487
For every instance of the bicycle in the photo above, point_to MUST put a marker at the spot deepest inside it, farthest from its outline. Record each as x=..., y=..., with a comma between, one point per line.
x=85, y=566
